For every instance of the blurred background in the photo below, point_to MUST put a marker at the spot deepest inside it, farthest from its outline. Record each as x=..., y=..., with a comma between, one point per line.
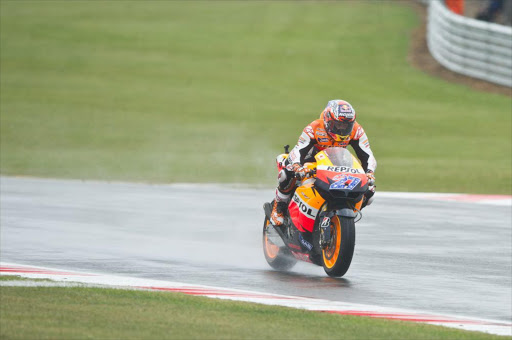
x=210, y=91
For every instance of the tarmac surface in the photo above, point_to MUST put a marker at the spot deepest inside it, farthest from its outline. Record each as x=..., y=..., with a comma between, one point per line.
x=415, y=253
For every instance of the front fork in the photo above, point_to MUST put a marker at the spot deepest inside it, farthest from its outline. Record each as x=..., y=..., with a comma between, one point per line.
x=325, y=229
x=325, y=222
x=325, y=225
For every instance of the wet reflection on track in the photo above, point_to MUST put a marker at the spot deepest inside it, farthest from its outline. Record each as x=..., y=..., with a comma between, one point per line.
x=441, y=257
x=302, y=281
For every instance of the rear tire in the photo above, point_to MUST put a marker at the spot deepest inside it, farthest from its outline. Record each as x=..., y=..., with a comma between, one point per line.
x=337, y=256
x=278, y=257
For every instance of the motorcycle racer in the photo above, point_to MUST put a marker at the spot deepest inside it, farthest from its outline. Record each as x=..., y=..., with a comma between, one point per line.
x=336, y=127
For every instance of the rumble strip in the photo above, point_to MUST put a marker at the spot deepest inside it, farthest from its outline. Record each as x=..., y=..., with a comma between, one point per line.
x=336, y=307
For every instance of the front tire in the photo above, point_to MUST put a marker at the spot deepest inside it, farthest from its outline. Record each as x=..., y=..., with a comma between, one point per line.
x=337, y=256
x=278, y=257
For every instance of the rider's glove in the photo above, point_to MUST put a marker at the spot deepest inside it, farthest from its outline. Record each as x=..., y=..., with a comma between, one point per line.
x=371, y=178
x=300, y=171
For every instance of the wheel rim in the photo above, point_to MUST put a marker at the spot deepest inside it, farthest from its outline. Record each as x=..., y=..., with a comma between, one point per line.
x=270, y=249
x=332, y=252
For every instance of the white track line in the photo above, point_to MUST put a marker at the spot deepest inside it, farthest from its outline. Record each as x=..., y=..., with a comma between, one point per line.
x=466, y=323
x=501, y=200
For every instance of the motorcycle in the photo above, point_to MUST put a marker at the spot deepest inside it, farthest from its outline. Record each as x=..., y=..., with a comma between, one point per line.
x=319, y=225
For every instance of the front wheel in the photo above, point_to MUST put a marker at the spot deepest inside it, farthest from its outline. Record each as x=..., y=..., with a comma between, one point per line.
x=337, y=256
x=276, y=253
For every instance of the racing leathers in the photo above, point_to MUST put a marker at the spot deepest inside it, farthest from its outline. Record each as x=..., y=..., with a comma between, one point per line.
x=314, y=139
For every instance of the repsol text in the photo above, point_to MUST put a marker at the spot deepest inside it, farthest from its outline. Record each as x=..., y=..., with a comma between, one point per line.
x=343, y=169
x=303, y=207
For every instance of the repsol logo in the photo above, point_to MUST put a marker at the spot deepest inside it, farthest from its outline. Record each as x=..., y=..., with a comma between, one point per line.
x=341, y=169
x=303, y=207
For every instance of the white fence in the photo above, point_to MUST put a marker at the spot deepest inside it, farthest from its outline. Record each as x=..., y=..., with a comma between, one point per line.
x=472, y=47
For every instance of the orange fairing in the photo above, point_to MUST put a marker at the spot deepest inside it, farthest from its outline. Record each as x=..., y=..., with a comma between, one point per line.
x=306, y=201
x=304, y=207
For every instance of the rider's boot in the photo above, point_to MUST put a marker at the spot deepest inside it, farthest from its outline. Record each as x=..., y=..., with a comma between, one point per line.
x=277, y=215
x=279, y=208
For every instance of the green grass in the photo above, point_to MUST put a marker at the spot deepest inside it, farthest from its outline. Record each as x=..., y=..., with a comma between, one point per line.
x=94, y=313
x=18, y=278
x=171, y=91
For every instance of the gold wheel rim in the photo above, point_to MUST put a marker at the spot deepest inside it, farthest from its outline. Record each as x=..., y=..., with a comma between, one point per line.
x=332, y=252
x=271, y=249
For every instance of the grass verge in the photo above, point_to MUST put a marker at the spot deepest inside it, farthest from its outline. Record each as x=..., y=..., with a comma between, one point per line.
x=95, y=313
x=199, y=91
x=20, y=278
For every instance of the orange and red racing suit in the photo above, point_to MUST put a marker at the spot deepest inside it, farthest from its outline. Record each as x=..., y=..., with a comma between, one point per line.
x=313, y=139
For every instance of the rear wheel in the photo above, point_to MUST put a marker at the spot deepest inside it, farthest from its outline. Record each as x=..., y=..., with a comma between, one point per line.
x=276, y=253
x=337, y=256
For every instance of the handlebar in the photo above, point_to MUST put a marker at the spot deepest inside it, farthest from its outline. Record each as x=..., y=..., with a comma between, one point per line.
x=311, y=174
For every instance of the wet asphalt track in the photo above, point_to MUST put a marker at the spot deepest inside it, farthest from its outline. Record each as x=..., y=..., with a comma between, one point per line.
x=443, y=257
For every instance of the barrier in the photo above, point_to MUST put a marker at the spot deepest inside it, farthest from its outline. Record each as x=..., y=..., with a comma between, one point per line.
x=471, y=47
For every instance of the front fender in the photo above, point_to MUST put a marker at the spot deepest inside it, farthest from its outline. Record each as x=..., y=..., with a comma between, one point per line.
x=346, y=212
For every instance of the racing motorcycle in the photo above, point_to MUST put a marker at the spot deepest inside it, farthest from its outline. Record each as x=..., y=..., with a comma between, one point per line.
x=319, y=225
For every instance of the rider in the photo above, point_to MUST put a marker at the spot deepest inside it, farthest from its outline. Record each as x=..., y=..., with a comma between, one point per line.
x=337, y=127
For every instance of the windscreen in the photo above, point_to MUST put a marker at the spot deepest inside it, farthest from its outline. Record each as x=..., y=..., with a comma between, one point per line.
x=339, y=156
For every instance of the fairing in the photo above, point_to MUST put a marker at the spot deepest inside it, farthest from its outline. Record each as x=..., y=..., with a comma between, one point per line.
x=339, y=175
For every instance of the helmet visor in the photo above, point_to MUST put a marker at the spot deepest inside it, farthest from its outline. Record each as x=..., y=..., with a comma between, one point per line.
x=342, y=128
